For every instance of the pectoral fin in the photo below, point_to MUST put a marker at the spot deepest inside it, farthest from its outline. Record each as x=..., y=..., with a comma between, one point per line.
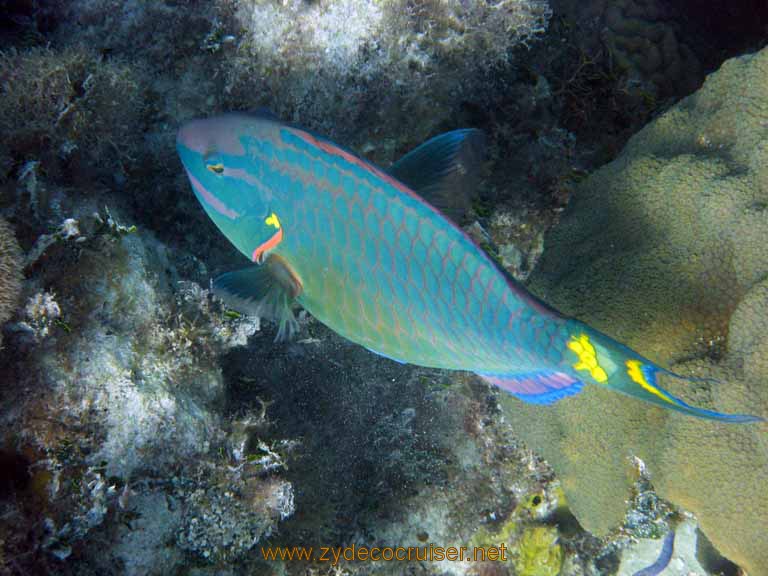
x=266, y=291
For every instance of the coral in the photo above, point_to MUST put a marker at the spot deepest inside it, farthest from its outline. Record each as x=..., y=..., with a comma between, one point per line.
x=229, y=510
x=322, y=62
x=10, y=272
x=41, y=313
x=664, y=249
x=402, y=35
x=69, y=107
x=644, y=40
x=620, y=64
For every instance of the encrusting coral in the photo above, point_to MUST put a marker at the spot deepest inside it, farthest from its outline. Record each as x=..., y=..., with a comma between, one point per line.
x=664, y=249
x=10, y=272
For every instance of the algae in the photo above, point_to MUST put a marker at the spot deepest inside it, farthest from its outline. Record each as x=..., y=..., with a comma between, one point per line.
x=538, y=552
x=485, y=538
x=72, y=111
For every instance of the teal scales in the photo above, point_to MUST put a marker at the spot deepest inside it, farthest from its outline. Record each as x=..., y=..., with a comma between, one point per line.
x=369, y=254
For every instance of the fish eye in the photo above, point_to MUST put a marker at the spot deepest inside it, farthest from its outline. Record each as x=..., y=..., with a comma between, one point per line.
x=216, y=168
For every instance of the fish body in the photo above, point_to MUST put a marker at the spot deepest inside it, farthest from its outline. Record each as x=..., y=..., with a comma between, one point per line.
x=365, y=253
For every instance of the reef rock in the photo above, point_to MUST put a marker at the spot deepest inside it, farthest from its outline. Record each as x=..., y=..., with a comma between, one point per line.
x=113, y=437
x=325, y=59
x=646, y=551
x=664, y=249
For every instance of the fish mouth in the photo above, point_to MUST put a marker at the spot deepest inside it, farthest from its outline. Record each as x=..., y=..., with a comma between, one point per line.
x=261, y=252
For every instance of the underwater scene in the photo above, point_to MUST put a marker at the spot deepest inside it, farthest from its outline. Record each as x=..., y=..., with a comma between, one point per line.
x=384, y=287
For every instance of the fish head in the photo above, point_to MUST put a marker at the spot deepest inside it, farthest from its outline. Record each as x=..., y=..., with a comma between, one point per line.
x=221, y=157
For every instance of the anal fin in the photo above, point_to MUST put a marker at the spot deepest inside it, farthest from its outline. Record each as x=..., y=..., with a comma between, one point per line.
x=266, y=291
x=538, y=387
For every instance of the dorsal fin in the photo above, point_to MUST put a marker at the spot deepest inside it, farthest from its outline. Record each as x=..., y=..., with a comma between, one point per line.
x=445, y=170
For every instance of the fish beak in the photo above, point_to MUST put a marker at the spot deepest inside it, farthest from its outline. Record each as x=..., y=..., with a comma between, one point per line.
x=183, y=136
x=192, y=136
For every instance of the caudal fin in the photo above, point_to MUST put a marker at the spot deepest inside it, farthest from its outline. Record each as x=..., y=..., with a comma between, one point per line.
x=613, y=365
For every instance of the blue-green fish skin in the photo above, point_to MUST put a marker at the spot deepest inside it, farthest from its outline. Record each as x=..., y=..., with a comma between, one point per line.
x=366, y=255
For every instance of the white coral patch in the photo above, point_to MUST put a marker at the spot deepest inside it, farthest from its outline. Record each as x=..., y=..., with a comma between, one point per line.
x=332, y=31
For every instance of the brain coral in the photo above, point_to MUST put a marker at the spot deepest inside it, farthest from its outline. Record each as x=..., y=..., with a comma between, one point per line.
x=10, y=272
x=643, y=39
x=664, y=249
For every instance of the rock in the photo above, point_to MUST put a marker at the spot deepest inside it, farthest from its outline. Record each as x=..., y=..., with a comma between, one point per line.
x=116, y=400
x=646, y=551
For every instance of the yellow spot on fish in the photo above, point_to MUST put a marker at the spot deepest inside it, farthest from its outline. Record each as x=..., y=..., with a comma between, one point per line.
x=216, y=168
x=272, y=221
x=636, y=374
x=587, y=357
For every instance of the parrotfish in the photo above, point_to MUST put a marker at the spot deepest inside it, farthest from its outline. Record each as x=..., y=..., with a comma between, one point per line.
x=372, y=254
x=667, y=548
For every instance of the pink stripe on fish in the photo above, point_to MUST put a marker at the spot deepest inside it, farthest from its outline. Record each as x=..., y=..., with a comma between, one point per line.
x=352, y=159
x=210, y=199
x=334, y=150
x=251, y=180
x=260, y=251
x=536, y=383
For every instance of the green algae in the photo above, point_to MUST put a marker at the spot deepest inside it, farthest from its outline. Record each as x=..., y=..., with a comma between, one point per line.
x=485, y=538
x=534, y=549
x=538, y=552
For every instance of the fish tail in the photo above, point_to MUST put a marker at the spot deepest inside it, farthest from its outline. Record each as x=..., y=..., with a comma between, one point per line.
x=607, y=362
